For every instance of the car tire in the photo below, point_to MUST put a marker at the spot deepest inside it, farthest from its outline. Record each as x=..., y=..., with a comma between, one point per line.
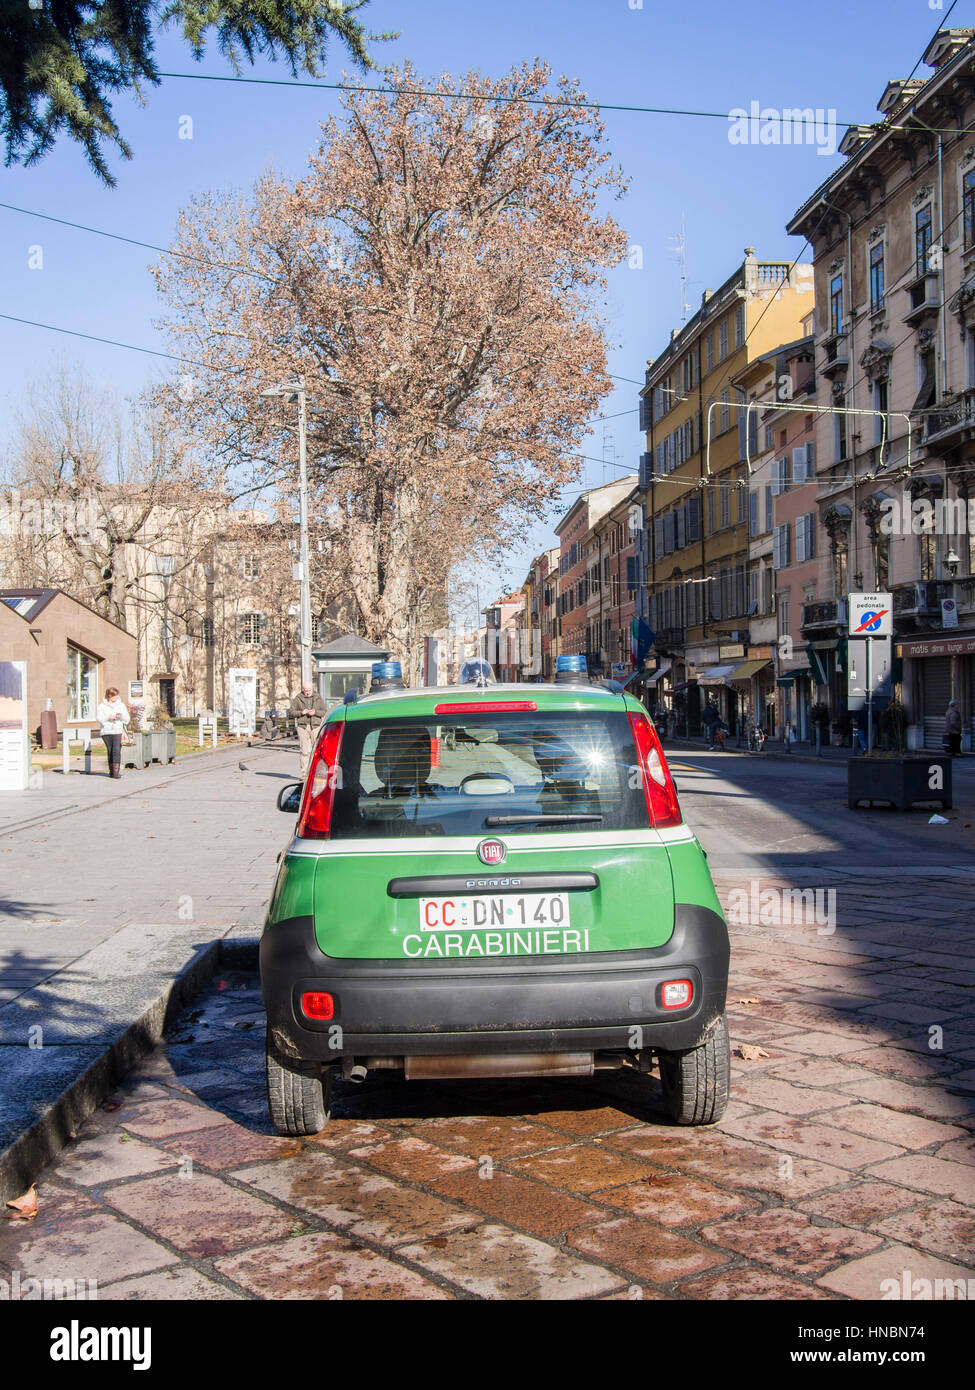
x=696, y=1082
x=299, y=1094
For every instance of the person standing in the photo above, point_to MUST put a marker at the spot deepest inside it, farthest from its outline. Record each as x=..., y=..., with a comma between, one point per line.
x=953, y=729
x=711, y=719
x=113, y=717
x=308, y=711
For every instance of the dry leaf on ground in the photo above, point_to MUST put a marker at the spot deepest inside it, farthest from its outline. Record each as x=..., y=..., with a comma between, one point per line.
x=25, y=1206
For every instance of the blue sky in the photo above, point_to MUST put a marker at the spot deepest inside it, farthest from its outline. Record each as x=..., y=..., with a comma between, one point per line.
x=704, y=56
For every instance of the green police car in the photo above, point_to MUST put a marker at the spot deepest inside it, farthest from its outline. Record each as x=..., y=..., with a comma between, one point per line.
x=492, y=881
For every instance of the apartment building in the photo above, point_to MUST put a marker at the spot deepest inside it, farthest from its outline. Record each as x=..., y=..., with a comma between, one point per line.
x=784, y=673
x=893, y=237
x=579, y=557
x=694, y=552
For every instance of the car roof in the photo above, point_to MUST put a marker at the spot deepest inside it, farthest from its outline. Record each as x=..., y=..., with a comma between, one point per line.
x=424, y=699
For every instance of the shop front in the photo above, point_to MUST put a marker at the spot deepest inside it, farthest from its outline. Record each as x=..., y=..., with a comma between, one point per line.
x=938, y=669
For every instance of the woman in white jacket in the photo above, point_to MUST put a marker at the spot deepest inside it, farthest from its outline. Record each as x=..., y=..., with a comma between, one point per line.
x=113, y=717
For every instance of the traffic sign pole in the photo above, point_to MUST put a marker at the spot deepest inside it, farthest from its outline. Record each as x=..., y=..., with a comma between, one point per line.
x=869, y=704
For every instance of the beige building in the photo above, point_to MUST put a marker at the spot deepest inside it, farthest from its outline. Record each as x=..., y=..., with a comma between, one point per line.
x=893, y=234
x=694, y=476
x=73, y=655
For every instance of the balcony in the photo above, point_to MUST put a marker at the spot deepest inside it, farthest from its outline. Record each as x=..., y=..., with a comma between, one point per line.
x=836, y=355
x=924, y=296
x=953, y=425
x=919, y=602
x=826, y=614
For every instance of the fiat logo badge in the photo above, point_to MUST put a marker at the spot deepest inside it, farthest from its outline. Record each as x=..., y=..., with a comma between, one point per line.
x=491, y=851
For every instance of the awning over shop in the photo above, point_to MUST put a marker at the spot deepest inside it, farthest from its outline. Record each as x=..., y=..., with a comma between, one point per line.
x=661, y=670
x=817, y=662
x=747, y=669
x=786, y=682
x=715, y=675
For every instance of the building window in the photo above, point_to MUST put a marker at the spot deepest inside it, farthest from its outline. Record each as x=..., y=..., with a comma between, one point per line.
x=877, y=277
x=165, y=564
x=206, y=632
x=770, y=436
x=711, y=509
x=839, y=432
x=726, y=502
x=250, y=629
x=250, y=566
x=968, y=202
x=881, y=561
x=723, y=341
x=725, y=410
x=82, y=684
x=768, y=506
x=836, y=304
x=928, y=542
x=923, y=234
x=881, y=397
x=740, y=326
x=709, y=351
x=783, y=616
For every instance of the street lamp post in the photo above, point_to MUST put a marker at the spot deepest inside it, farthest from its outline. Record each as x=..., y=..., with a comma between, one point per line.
x=297, y=389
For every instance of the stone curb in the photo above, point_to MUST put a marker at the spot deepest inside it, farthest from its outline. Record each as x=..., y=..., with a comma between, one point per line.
x=66, y=1082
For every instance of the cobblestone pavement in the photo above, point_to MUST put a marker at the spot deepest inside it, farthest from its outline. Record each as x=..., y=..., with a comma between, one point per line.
x=846, y=1157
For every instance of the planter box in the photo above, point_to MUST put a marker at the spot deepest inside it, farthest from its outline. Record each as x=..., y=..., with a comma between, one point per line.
x=900, y=781
x=152, y=746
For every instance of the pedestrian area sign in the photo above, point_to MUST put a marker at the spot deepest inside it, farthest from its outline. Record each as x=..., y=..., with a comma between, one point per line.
x=870, y=615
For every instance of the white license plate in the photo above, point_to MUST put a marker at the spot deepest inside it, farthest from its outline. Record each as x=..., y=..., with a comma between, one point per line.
x=486, y=912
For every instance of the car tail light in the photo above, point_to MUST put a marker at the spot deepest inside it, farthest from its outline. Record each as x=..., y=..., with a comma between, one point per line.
x=488, y=706
x=658, y=785
x=317, y=1005
x=676, y=994
x=315, y=816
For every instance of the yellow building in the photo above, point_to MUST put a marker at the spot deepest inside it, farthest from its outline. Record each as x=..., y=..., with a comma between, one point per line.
x=694, y=479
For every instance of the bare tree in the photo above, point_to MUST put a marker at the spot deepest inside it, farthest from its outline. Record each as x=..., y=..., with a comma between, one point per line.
x=435, y=278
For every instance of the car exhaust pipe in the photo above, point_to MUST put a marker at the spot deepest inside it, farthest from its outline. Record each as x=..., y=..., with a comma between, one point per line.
x=487, y=1064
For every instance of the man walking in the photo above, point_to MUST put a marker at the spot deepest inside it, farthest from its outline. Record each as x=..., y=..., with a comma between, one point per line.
x=711, y=719
x=308, y=711
x=953, y=729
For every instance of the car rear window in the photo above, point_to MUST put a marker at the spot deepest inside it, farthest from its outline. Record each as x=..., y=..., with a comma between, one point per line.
x=510, y=774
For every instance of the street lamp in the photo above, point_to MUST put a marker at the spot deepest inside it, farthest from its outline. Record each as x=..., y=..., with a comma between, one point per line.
x=294, y=389
x=951, y=563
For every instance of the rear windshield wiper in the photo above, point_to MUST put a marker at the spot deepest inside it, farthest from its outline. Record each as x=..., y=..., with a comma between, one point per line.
x=531, y=820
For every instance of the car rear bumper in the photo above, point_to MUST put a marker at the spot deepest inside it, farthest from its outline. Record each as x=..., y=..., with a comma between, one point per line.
x=601, y=1001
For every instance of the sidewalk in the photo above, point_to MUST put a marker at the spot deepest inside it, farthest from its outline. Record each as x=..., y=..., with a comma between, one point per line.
x=115, y=896
x=962, y=768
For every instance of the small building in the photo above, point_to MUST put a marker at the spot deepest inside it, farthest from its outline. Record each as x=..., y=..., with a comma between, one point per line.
x=73, y=654
x=346, y=664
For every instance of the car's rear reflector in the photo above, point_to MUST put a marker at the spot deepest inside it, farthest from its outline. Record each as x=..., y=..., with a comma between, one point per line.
x=317, y=1005
x=658, y=785
x=315, y=816
x=676, y=994
x=488, y=706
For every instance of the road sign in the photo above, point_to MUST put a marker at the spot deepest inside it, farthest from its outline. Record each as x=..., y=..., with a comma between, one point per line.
x=870, y=615
x=859, y=681
x=949, y=613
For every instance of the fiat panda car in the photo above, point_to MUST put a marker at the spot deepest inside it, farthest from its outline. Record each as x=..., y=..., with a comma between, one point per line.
x=492, y=881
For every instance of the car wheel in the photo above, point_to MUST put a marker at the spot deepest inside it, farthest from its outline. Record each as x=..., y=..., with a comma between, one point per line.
x=696, y=1082
x=299, y=1094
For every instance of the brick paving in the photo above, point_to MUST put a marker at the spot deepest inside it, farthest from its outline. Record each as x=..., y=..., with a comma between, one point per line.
x=834, y=1169
x=846, y=1157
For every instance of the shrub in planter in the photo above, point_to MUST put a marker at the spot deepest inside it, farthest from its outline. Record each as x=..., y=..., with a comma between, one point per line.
x=819, y=715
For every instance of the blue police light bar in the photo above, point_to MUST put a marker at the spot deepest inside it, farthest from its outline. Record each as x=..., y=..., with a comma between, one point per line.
x=575, y=664
x=387, y=671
